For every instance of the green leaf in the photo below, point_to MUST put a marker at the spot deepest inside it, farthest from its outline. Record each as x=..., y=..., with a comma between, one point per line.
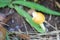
x=10, y=6
x=3, y=4
x=20, y=0
x=7, y=37
x=5, y=0
x=28, y=19
x=37, y=7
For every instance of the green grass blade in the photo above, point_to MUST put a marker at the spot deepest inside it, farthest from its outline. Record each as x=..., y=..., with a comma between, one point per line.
x=37, y=7
x=3, y=4
x=20, y=0
x=7, y=37
x=28, y=19
x=5, y=1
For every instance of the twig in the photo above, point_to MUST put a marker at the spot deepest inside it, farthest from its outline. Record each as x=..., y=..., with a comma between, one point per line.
x=4, y=23
x=49, y=17
x=56, y=26
x=40, y=34
x=50, y=25
x=57, y=4
x=25, y=26
x=56, y=30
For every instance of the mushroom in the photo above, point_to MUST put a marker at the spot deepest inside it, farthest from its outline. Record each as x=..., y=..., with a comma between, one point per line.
x=39, y=18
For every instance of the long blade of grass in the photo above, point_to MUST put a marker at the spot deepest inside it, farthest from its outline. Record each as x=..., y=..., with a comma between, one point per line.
x=4, y=1
x=28, y=19
x=7, y=37
x=37, y=7
x=21, y=0
x=3, y=4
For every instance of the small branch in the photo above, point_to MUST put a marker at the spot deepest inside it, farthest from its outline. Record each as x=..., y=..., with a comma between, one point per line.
x=50, y=25
x=57, y=4
x=4, y=23
x=50, y=17
x=25, y=26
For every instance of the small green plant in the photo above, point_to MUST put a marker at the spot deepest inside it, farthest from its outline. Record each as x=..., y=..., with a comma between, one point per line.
x=15, y=5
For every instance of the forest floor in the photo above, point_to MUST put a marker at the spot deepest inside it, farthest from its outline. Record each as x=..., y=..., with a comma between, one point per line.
x=17, y=21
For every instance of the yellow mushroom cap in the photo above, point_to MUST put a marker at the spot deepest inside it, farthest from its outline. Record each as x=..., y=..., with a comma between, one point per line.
x=38, y=17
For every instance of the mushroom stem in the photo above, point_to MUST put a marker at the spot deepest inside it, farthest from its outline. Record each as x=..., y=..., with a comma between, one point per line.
x=43, y=27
